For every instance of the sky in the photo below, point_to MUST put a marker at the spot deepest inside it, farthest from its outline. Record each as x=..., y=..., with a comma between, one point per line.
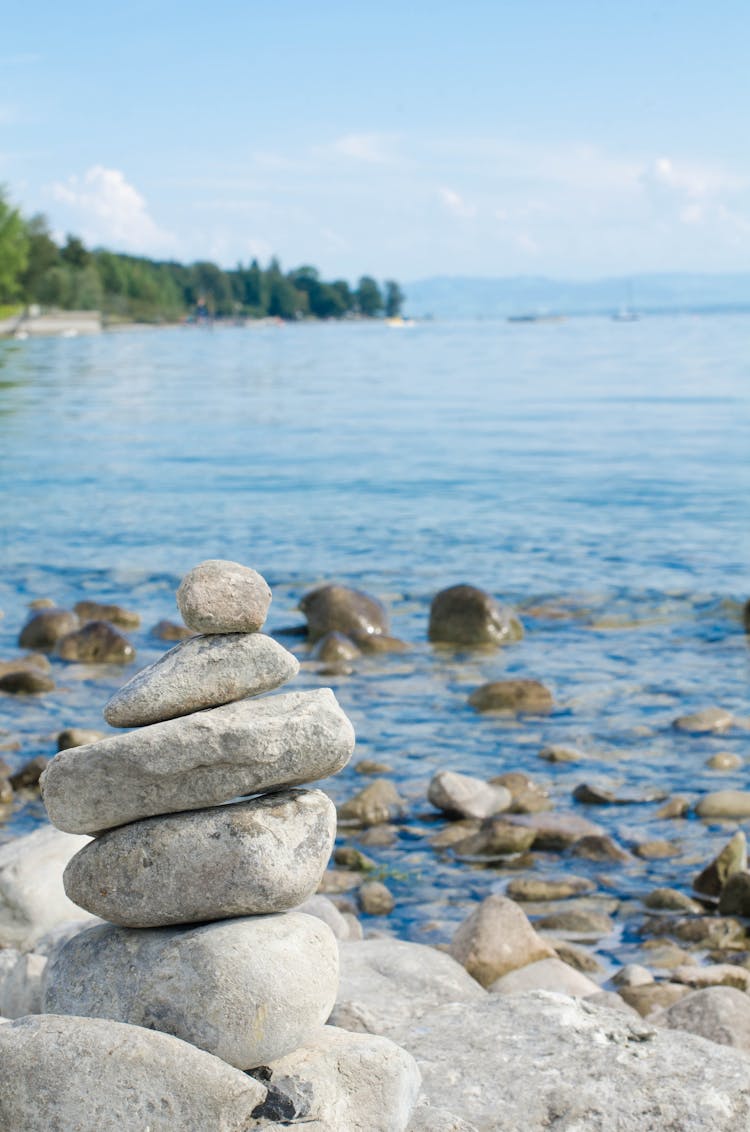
x=569, y=138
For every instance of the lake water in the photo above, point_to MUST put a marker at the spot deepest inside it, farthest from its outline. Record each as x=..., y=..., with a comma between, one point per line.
x=593, y=474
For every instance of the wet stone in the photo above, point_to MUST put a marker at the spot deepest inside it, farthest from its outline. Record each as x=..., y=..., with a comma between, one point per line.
x=44, y=629
x=675, y=807
x=724, y=760
x=556, y=831
x=171, y=631
x=379, y=802
x=375, y=899
x=468, y=617
x=527, y=796
x=97, y=642
x=77, y=737
x=26, y=681
x=335, y=648
x=671, y=900
x=561, y=755
x=28, y=775
x=725, y=804
x=713, y=720
x=735, y=895
x=515, y=697
x=599, y=847
x=495, y=837
x=334, y=608
x=731, y=859
x=577, y=922
x=537, y=888
x=115, y=614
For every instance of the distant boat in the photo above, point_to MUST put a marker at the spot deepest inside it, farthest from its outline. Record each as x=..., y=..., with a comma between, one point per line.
x=625, y=314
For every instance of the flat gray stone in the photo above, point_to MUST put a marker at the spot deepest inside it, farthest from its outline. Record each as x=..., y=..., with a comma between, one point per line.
x=199, y=760
x=202, y=672
x=467, y=797
x=78, y=1074
x=218, y=596
x=32, y=896
x=546, y=974
x=343, y=1082
x=245, y=859
x=385, y=982
x=541, y=1061
x=249, y=990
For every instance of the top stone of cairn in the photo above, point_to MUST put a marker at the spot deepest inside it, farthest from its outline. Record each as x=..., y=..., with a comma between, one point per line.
x=223, y=597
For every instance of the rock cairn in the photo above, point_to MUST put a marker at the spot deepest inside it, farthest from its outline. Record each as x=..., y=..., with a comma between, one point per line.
x=202, y=941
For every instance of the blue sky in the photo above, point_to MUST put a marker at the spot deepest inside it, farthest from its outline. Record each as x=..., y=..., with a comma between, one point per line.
x=560, y=137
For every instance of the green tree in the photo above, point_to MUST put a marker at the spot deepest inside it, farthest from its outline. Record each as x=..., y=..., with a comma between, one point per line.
x=43, y=254
x=74, y=252
x=369, y=298
x=13, y=250
x=394, y=299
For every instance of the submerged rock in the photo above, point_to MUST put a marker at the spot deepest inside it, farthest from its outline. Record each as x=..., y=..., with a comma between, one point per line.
x=171, y=631
x=97, y=642
x=714, y=720
x=115, y=614
x=516, y=697
x=248, y=990
x=335, y=648
x=378, y=803
x=334, y=608
x=218, y=596
x=68, y=1074
x=44, y=629
x=77, y=737
x=731, y=859
x=466, y=616
x=28, y=775
x=26, y=681
x=735, y=895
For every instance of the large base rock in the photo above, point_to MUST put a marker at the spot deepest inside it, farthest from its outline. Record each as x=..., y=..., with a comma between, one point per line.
x=540, y=1061
x=250, y=858
x=78, y=1074
x=249, y=990
x=32, y=897
x=197, y=761
x=385, y=983
x=342, y=1082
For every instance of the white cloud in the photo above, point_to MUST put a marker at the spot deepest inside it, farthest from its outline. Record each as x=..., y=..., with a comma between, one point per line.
x=373, y=149
x=456, y=204
x=111, y=211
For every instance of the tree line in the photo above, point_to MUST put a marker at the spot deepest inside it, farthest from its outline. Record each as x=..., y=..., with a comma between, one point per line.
x=35, y=269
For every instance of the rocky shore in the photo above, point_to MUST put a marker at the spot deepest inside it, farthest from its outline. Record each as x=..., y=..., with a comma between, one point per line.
x=561, y=989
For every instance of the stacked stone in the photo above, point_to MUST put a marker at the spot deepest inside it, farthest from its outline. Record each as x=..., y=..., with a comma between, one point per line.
x=199, y=888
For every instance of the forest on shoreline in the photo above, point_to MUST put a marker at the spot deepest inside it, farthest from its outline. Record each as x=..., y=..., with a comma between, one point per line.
x=35, y=269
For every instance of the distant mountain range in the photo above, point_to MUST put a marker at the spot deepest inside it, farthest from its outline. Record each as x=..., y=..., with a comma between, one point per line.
x=460, y=297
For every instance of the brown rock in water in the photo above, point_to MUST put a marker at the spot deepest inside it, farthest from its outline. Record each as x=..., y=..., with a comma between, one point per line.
x=561, y=755
x=77, y=737
x=725, y=804
x=746, y=616
x=537, y=888
x=115, y=614
x=496, y=938
x=672, y=900
x=557, y=831
x=335, y=648
x=334, y=608
x=378, y=643
x=713, y=720
x=29, y=774
x=97, y=642
x=371, y=766
x=375, y=899
x=674, y=807
x=517, y=697
x=469, y=617
x=378, y=802
x=578, y=921
x=44, y=629
x=724, y=760
x=26, y=681
x=735, y=895
x=495, y=837
x=34, y=660
x=527, y=796
x=171, y=631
